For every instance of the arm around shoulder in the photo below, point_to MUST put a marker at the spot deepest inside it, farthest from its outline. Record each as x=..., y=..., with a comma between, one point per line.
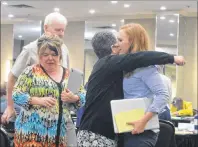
x=129, y=62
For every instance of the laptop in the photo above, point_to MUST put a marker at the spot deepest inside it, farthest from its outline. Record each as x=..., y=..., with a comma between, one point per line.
x=125, y=110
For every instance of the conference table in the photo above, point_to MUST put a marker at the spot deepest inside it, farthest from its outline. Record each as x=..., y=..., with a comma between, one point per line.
x=176, y=119
x=186, y=139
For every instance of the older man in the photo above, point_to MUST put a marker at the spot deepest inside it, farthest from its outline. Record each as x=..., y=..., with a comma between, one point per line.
x=54, y=24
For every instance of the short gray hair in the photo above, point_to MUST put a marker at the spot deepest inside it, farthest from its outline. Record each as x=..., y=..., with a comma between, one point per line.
x=102, y=42
x=55, y=15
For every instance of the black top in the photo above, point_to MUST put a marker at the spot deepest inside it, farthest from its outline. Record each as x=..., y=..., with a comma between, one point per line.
x=105, y=84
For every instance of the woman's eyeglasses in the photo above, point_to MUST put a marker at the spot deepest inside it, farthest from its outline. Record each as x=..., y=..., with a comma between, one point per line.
x=114, y=46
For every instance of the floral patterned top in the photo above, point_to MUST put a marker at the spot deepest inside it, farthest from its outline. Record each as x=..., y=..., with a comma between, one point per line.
x=38, y=125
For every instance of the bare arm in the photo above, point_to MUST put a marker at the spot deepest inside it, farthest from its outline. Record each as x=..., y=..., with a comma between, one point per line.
x=23, y=60
x=11, y=81
x=9, y=111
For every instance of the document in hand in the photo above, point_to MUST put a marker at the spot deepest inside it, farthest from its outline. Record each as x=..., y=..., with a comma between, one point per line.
x=128, y=110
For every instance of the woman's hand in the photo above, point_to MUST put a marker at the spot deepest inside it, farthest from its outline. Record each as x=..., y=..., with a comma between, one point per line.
x=43, y=101
x=69, y=97
x=8, y=113
x=138, y=125
x=179, y=60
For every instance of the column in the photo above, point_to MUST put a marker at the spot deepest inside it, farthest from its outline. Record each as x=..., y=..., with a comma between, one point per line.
x=74, y=40
x=187, y=75
x=7, y=42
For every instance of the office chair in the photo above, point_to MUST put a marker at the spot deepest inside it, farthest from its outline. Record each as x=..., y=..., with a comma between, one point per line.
x=166, y=136
x=195, y=112
x=4, y=139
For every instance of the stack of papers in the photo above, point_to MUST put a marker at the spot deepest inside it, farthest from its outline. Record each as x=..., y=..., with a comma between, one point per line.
x=186, y=126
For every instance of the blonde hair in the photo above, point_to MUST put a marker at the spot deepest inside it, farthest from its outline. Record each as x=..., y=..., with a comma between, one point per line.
x=52, y=42
x=137, y=36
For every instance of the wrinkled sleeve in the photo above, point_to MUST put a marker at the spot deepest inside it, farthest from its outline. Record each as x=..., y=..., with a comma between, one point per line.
x=129, y=62
x=155, y=83
x=21, y=62
x=20, y=94
x=65, y=57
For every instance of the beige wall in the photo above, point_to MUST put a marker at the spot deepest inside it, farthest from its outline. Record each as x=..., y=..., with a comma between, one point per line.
x=7, y=42
x=74, y=40
x=90, y=60
x=187, y=75
x=149, y=24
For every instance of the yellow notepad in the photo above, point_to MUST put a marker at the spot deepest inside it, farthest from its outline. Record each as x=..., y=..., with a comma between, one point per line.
x=128, y=116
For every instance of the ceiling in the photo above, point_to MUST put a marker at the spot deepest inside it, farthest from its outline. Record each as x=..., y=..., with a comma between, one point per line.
x=165, y=28
x=27, y=14
x=29, y=30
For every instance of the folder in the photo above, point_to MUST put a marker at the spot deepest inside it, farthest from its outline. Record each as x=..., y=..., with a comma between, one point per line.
x=123, y=118
x=128, y=110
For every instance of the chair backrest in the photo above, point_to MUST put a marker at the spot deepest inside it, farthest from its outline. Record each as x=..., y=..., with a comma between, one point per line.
x=5, y=141
x=79, y=116
x=195, y=112
x=9, y=127
x=166, y=136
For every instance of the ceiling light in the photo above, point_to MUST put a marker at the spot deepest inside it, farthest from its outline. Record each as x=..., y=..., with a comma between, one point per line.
x=10, y=15
x=88, y=35
x=113, y=25
x=126, y=5
x=176, y=14
x=56, y=9
x=162, y=8
x=37, y=29
x=162, y=17
x=4, y=3
x=171, y=34
x=114, y=2
x=113, y=31
x=171, y=21
x=122, y=20
x=92, y=11
x=20, y=36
